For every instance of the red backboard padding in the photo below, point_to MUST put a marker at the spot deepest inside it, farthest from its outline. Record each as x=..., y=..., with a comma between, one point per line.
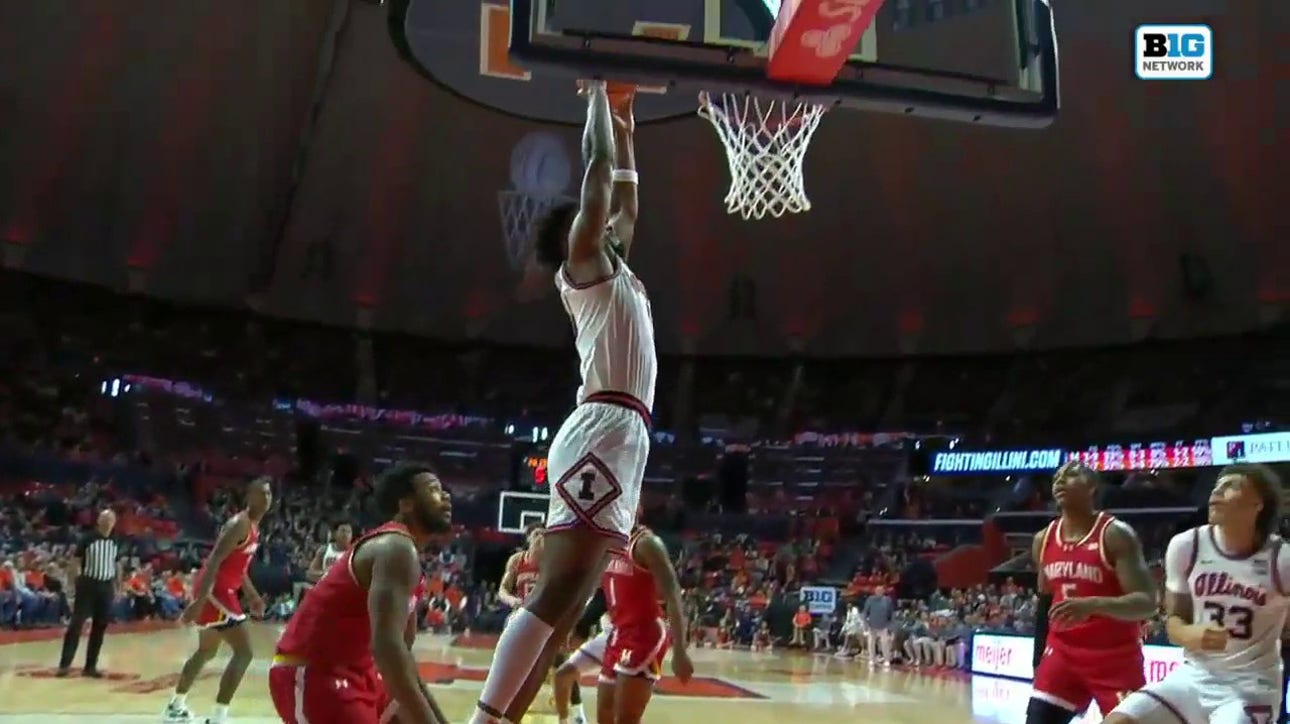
x=813, y=38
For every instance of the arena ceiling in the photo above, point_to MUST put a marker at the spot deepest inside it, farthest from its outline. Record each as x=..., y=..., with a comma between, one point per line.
x=228, y=150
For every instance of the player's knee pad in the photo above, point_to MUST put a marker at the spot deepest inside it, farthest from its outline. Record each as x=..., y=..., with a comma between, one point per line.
x=1039, y=711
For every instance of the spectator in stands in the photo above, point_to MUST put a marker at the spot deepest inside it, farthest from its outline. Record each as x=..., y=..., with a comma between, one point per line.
x=920, y=647
x=823, y=631
x=138, y=590
x=31, y=608
x=8, y=595
x=171, y=596
x=852, y=633
x=801, y=624
x=762, y=640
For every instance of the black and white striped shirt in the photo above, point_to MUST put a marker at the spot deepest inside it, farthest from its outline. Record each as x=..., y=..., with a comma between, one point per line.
x=98, y=554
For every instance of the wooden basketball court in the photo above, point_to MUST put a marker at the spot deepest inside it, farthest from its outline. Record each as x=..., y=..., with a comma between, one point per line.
x=777, y=688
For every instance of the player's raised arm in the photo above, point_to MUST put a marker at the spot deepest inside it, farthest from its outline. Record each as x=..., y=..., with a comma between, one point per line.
x=587, y=234
x=395, y=572
x=1179, y=626
x=623, y=206
x=653, y=554
x=506, y=589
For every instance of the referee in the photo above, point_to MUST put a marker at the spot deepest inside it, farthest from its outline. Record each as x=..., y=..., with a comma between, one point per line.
x=98, y=579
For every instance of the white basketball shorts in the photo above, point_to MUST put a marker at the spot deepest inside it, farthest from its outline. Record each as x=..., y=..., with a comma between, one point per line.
x=591, y=655
x=596, y=464
x=1190, y=694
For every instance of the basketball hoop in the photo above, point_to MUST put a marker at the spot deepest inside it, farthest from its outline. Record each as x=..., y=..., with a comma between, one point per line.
x=518, y=213
x=765, y=143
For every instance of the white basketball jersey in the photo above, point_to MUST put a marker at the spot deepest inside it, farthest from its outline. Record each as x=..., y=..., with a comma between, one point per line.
x=1244, y=596
x=615, y=334
x=331, y=554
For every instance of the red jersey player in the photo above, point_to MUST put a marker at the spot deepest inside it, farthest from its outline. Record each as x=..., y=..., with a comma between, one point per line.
x=349, y=642
x=634, y=581
x=1094, y=593
x=216, y=609
x=521, y=571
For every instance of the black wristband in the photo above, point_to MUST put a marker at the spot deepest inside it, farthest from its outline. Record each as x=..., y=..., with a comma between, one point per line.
x=1041, y=625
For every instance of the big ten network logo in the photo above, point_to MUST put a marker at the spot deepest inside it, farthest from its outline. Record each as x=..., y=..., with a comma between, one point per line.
x=1174, y=52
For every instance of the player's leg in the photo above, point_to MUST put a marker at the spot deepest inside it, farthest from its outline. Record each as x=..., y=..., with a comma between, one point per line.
x=208, y=641
x=1174, y=699
x=1058, y=691
x=638, y=665
x=537, y=674
x=598, y=461
x=586, y=659
x=605, y=700
x=238, y=638
x=631, y=697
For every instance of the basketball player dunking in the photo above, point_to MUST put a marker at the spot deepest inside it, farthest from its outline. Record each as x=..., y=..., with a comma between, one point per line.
x=218, y=612
x=345, y=657
x=1226, y=598
x=341, y=536
x=635, y=580
x=1095, y=590
x=597, y=458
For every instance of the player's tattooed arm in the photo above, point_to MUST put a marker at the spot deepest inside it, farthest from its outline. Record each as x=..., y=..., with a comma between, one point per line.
x=395, y=572
x=586, y=258
x=624, y=203
x=1139, y=601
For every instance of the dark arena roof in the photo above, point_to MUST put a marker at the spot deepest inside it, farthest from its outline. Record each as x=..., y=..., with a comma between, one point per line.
x=286, y=155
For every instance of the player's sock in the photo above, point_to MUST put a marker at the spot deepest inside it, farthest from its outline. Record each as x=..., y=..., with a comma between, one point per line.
x=517, y=651
x=178, y=700
x=579, y=716
x=220, y=714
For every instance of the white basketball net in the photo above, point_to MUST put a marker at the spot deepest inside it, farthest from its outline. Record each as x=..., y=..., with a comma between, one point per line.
x=765, y=142
x=518, y=212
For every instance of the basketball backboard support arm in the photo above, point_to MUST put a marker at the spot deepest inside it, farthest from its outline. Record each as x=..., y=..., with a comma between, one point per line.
x=874, y=87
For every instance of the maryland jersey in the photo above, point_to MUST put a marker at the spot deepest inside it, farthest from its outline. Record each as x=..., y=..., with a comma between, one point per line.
x=1246, y=596
x=526, y=575
x=1081, y=568
x=631, y=593
x=615, y=334
x=231, y=570
x=331, y=627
